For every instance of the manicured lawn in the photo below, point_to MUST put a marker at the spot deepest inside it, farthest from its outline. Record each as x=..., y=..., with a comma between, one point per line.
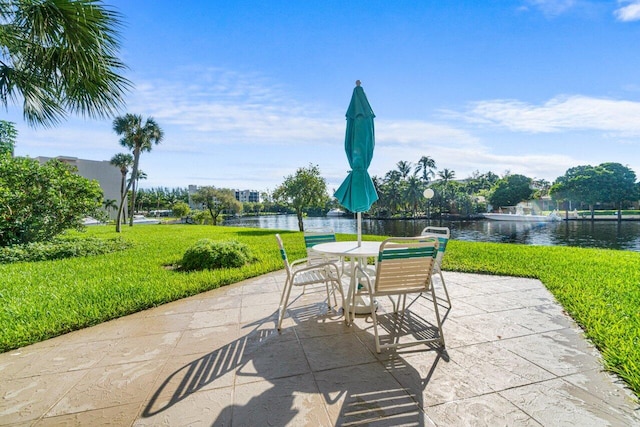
x=600, y=289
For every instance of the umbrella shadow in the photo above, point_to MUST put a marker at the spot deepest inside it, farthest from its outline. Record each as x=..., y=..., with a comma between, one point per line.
x=276, y=383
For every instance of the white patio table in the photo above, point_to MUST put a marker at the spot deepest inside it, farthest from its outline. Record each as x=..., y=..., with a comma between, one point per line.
x=355, y=253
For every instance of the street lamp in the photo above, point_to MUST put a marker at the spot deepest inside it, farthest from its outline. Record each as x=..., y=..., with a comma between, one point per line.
x=428, y=194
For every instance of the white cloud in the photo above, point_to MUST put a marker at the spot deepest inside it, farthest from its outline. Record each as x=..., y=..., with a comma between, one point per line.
x=618, y=117
x=629, y=12
x=552, y=7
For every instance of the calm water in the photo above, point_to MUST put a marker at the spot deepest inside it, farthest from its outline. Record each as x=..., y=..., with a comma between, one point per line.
x=599, y=234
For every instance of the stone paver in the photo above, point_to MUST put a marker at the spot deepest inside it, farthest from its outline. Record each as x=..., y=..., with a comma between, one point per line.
x=513, y=358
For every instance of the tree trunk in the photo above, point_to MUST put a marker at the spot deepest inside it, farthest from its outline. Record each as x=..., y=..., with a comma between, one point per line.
x=620, y=212
x=300, y=223
x=592, y=209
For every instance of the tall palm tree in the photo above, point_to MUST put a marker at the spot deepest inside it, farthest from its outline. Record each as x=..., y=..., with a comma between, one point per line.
x=413, y=192
x=426, y=165
x=123, y=161
x=59, y=57
x=138, y=137
x=404, y=168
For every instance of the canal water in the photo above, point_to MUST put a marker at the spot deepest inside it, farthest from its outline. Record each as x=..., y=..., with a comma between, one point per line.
x=598, y=234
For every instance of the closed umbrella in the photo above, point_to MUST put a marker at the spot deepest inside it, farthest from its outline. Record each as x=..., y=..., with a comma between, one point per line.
x=357, y=193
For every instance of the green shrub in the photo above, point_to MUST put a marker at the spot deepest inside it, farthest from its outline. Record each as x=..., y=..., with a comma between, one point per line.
x=211, y=254
x=61, y=248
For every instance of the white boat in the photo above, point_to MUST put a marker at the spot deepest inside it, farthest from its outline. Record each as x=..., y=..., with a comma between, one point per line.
x=90, y=221
x=335, y=212
x=519, y=215
x=141, y=219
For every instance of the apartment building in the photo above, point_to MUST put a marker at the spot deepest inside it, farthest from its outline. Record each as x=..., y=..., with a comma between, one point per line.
x=107, y=175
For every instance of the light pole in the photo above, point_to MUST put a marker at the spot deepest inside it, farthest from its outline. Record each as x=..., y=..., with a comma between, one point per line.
x=428, y=194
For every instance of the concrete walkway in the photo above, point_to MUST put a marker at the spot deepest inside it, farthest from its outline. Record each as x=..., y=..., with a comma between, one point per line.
x=512, y=358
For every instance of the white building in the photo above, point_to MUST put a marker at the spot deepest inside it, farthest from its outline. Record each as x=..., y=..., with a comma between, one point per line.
x=107, y=175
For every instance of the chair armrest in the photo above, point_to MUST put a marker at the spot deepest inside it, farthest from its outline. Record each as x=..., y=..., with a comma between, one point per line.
x=323, y=266
x=298, y=261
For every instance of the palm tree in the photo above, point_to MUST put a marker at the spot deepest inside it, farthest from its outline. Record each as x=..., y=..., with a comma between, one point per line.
x=404, y=168
x=123, y=161
x=446, y=175
x=58, y=56
x=426, y=165
x=413, y=192
x=138, y=138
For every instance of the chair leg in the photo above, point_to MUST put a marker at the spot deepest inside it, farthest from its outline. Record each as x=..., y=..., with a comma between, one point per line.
x=444, y=285
x=435, y=308
x=337, y=284
x=283, y=302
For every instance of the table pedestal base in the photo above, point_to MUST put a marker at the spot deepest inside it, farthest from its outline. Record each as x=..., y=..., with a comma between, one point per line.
x=362, y=305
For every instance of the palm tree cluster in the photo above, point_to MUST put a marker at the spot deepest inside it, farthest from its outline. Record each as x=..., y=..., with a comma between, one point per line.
x=139, y=137
x=401, y=191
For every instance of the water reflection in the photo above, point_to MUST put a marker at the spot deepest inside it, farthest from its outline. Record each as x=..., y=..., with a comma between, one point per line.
x=598, y=234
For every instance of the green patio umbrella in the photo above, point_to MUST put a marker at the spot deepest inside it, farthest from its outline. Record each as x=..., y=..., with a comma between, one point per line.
x=357, y=193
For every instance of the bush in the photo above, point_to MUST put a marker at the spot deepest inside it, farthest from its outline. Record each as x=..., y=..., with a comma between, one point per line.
x=38, y=202
x=61, y=248
x=211, y=254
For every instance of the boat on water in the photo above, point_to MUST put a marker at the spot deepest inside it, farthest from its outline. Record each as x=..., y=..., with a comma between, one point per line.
x=335, y=212
x=90, y=221
x=141, y=219
x=519, y=215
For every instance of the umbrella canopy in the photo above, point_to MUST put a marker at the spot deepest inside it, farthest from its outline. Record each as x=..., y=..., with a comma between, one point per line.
x=357, y=193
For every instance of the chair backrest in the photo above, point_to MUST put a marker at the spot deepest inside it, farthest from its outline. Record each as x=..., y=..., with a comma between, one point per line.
x=283, y=254
x=316, y=236
x=443, y=234
x=405, y=264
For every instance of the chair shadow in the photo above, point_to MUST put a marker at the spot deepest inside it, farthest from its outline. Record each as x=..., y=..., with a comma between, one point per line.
x=359, y=399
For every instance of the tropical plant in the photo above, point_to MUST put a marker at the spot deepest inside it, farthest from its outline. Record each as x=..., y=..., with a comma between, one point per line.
x=181, y=209
x=413, y=192
x=426, y=165
x=404, y=168
x=122, y=161
x=59, y=56
x=138, y=137
x=8, y=135
x=304, y=190
x=38, y=202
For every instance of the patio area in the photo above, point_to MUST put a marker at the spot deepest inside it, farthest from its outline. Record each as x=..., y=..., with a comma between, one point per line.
x=512, y=358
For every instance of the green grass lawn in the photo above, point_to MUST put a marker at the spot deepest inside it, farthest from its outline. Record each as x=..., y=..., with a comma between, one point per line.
x=600, y=289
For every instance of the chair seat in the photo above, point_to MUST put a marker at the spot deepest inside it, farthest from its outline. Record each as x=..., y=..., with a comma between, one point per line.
x=303, y=278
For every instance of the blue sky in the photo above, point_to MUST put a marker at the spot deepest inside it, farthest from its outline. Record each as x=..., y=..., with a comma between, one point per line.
x=249, y=91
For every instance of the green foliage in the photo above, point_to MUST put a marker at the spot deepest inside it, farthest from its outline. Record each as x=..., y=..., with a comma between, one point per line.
x=38, y=202
x=210, y=254
x=510, y=190
x=59, y=56
x=61, y=248
x=306, y=189
x=8, y=135
x=216, y=201
x=138, y=137
x=181, y=209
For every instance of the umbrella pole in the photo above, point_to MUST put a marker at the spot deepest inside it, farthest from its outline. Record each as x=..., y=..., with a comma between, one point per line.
x=359, y=220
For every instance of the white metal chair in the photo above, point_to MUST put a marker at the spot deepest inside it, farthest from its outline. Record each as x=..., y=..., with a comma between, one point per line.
x=443, y=234
x=405, y=266
x=316, y=236
x=300, y=273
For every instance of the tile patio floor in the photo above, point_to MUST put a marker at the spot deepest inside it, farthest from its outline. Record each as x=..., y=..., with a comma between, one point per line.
x=513, y=358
